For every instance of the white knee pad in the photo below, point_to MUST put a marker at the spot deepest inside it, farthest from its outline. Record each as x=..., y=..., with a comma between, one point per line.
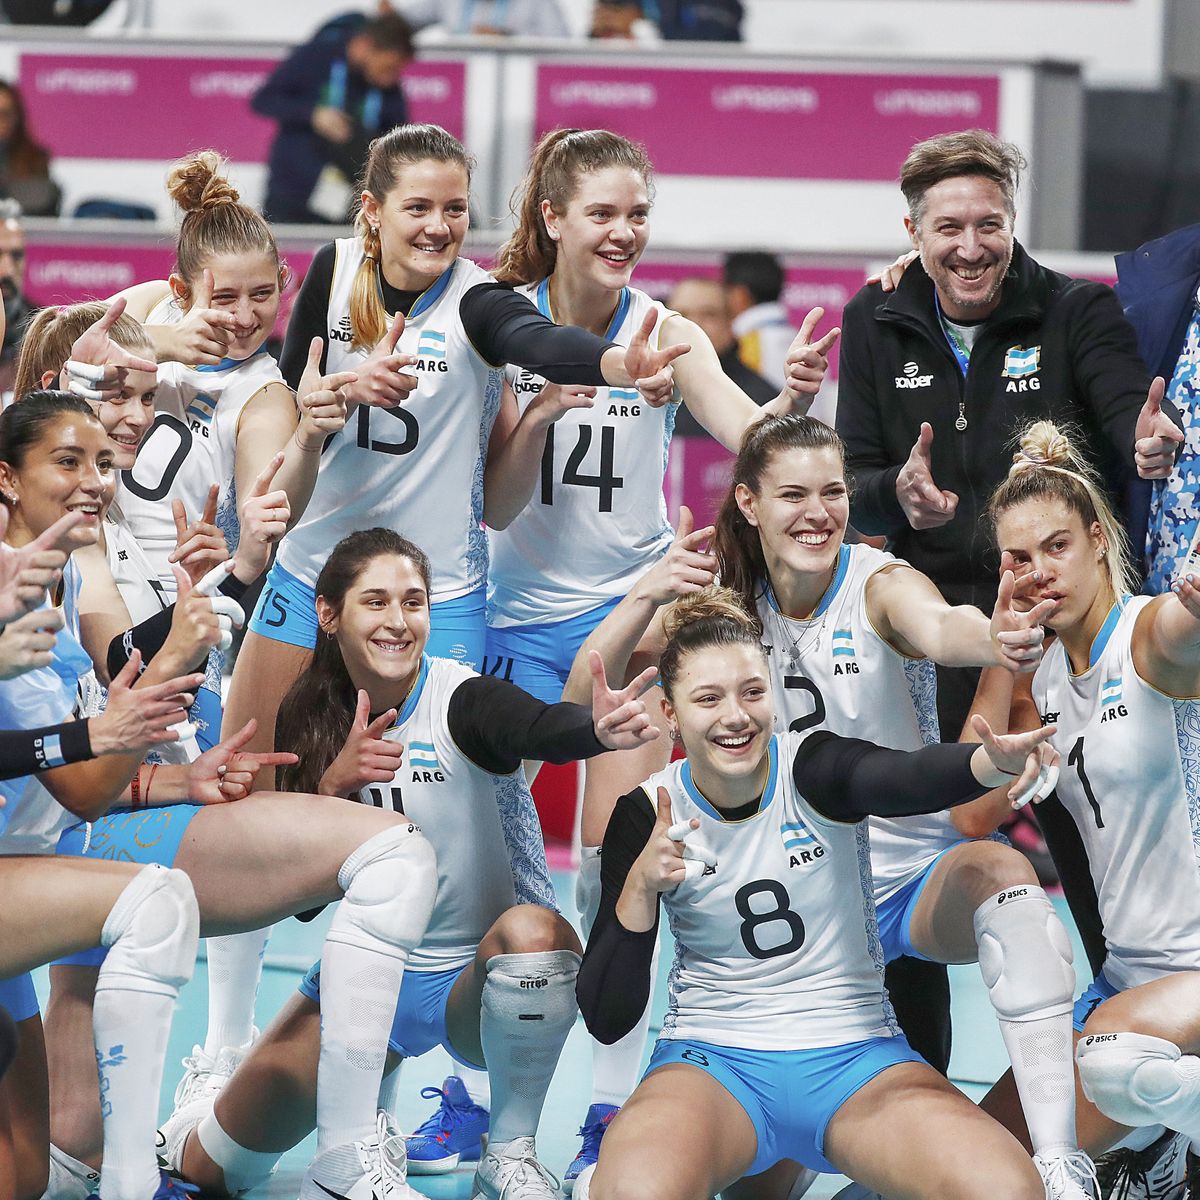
x=243, y=1169
x=541, y=983
x=1020, y=923
x=152, y=933
x=1141, y=1080
x=587, y=889
x=390, y=883
x=583, y=1183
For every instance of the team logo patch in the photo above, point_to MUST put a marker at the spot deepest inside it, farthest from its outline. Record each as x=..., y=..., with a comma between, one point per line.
x=432, y=342
x=1020, y=364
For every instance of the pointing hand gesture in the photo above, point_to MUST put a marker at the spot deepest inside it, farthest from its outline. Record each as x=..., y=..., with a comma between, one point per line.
x=1018, y=636
x=202, y=335
x=685, y=568
x=807, y=361
x=322, y=400
x=1156, y=437
x=672, y=854
x=367, y=756
x=1027, y=757
x=381, y=381
x=620, y=717
x=651, y=369
x=200, y=545
x=925, y=505
x=264, y=520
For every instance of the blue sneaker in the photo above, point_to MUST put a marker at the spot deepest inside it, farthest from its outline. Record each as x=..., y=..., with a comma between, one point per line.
x=598, y=1119
x=455, y=1133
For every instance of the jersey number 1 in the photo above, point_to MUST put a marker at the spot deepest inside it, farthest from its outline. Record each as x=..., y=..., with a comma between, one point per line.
x=1075, y=759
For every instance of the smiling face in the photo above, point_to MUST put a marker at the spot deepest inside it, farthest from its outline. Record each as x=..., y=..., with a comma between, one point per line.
x=965, y=237
x=248, y=287
x=721, y=705
x=68, y=468
x=422, y=222
x=800, y=510
x=604, y=229
x=1045, y=534
x=382, y=628
x=126, y=417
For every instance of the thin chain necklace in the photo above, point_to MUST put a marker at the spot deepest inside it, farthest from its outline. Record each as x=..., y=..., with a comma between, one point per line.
x=811, y=630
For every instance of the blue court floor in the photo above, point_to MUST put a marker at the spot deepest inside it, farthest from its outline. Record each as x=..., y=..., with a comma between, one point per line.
x=978, y=1054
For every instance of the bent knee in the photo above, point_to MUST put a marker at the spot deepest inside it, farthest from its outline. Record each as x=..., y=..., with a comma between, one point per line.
x=532, y=929
x=986, y=868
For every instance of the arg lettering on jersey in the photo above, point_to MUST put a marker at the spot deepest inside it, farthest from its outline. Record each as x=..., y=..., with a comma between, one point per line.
x=1021, y=367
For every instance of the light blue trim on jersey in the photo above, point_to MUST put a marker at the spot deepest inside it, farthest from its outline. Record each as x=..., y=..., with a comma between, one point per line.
x=790, y=1096
x=839, y=577
x=541, y=298
x=1100, y=641
x=228, y=364
x=768, y=796
x=414, y=697
x=432, y=294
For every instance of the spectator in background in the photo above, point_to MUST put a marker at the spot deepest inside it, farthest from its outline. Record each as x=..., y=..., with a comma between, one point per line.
x=331, y=96
x=18, y=309
x=704, y=301
x=622, y=20
x=754, y=284
x=700, y=20
x=24, y=164
x=504, y=18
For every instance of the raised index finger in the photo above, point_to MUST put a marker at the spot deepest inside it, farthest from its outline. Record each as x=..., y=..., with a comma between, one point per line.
x=664, y=806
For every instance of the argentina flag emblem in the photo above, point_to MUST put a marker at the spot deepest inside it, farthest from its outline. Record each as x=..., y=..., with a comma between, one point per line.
x=1020, y=363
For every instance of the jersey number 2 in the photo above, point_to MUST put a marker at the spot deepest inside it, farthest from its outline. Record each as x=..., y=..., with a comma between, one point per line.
x=753, y=921
x=605, y=482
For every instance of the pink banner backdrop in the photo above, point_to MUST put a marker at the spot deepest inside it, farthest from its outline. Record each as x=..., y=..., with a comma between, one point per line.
x=165, y=104
x=780, y=126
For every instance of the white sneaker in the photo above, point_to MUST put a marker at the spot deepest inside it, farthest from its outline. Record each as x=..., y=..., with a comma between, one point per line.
x=172, y=1135
x=511, y=1171
x=1068, y=1176
x=375, y=1169
x=205, y=1076
x=1159, y=1172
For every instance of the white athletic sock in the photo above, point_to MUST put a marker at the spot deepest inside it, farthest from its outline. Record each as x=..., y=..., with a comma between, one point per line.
x=1025, y=957
x=152, y=933
x=527, y=1010
x=616, y=1069
x=389, y=1090
x=389, y=883
x=476, y=1082
x=234, y=972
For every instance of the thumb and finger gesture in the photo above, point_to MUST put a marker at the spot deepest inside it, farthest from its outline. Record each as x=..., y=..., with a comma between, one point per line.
x=620, y=718
x=684, y=856
x=382, y=380
x=650, y=368
x=1029, y=757
x=1156, y=437
x=369, y=756
x=924, y=503
x=1018, y=634
x=808, y=361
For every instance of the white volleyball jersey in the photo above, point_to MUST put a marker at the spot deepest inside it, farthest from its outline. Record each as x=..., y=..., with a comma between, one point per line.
x=597, y=520
x=483, y=827
x=31, y=820
x=191, y=445
x=1130, y=778
x=416, y=468
x=779, y=948
x=167, y=311
x=833, y=671
x=144, y=597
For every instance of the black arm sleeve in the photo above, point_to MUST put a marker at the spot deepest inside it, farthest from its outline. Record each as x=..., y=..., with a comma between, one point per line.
x=497, y=725
x=148, y=637
x=308, y=317
x=24, y=751
x=614, y=981
x=846, y=779
x=506, y=327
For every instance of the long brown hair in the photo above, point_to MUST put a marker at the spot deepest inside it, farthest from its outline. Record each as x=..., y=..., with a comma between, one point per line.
x=560, y=158
x=26, y=157
x=215, y=221
x=737, y=545
x=317, y=712
x=388, y=155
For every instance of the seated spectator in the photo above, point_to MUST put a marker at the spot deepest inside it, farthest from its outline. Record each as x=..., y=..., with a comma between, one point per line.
x=331, y=96
x=704, y=301
x=24, y=164
x=18, y=309
x=503, y=18
x=754, y=284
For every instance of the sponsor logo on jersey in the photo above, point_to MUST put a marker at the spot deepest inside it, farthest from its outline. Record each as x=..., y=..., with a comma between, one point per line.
x=800, y=843
x=1049, y=718
x=1110, y=700
x=527, y=384
x=912, y=377
x=423, y=762
x=1021, y=369
x=342, y=332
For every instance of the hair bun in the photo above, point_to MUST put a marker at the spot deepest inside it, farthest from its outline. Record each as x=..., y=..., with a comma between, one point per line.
x=1043, y=444
x=197, y=183
x=714, y=601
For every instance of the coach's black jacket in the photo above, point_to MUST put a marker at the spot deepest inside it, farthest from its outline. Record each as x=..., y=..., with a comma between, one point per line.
x=897, y=370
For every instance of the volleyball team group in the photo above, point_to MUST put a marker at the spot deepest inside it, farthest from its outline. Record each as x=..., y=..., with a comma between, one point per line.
x=452, y=481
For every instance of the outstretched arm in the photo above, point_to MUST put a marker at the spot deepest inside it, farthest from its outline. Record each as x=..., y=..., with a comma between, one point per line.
x=1166, y=638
